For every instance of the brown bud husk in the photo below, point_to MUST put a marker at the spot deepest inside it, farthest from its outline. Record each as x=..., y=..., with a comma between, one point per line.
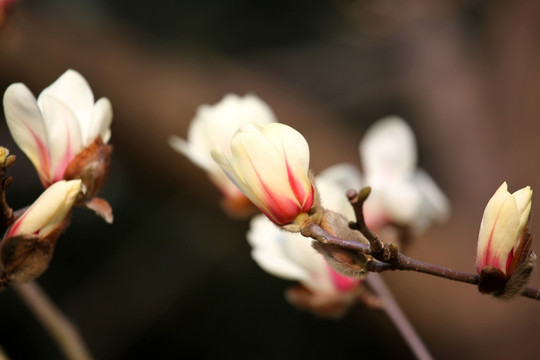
x=345, y=261
x=494, y=281
x=25, y=257
x=92, y=166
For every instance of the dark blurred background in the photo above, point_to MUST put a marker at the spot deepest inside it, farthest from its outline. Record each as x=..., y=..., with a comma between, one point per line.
x=172, y=277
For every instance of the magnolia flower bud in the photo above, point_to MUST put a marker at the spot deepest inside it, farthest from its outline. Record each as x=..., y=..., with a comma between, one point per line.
x=270, y=166
x=27, y=246
x=504, y=260
x=64, y=133
x=322, y=290
x=215, y=125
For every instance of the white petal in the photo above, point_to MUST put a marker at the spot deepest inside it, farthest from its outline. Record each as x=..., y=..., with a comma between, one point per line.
x=216, y=124
x=498, y=230
x=288, y=255
x=402, y=202
x=73, y=90
x=333, y=184
x=523, y=201
x=292, y=145
x=388, y=149
x=64, y=134
x=434, y=205
x=260, y=166
x=199, y=158
x=267, y=242
x=27, y=126
x=100, y=125
x=49, y=210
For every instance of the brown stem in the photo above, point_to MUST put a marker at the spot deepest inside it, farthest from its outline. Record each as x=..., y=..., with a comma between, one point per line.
x=57, y=324
x=357, y=200
x=399, y=319
x=399, y=261
x=407, y=263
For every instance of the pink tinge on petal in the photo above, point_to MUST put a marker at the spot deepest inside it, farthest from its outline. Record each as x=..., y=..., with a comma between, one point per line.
x=280, y=210
x=44, y=161
x=298, y=189
x=341, y=282
x=509, y=260
x=66, y=159
x=488, y=257
x=14, y=228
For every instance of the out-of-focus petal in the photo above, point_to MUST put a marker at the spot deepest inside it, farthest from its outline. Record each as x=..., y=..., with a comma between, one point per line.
x=27, y=126
x=435, y=205
x=100, y=124
x=73, y=90
x=388, y=149
x=289, y=256
x=334, y=182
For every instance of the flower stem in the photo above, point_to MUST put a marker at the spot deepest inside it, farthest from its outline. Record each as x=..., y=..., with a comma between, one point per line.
x=396, y=315
x=399, y=261
x=57, y=324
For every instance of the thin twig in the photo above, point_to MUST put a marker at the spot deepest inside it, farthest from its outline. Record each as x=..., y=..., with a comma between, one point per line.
x=57, y=324
x=399, y=319
x=400, y=261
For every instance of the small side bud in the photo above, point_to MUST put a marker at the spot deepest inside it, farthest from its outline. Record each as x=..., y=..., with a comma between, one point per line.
x=24, y=258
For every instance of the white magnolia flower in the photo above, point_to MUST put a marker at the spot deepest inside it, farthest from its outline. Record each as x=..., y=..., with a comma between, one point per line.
x=270, y=165
x=289, y=255
x=401, y=193
x=56, y=127
x=48, y=211
x=215, y=125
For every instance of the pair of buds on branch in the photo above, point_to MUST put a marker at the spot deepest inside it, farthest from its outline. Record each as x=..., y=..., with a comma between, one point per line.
x=504, y=260
x=65, y=134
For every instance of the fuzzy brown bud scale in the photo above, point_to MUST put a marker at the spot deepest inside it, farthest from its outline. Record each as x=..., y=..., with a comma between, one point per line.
x=92, y=166
x=345, y=261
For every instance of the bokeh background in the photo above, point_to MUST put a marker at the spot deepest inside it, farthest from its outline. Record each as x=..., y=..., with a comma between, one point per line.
x=172, y=277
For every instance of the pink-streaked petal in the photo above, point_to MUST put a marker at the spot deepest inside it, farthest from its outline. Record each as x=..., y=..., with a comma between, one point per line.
x=295, y=151
x=27, y=126
x=388, y=149
x=48, y=211
x=341, y=282
x=73, y=90
x=64, y=134
x=498, y=231
x=100, y=124
x=263, y=169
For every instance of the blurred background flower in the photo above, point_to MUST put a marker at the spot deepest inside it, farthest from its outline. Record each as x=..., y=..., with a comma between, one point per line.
x=464, y=74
